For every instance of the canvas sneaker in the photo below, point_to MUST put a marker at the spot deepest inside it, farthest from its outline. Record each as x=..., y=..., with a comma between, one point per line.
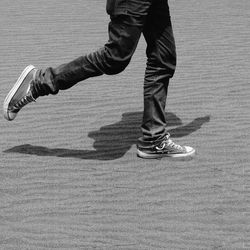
x=166, y=148
x=20, y=95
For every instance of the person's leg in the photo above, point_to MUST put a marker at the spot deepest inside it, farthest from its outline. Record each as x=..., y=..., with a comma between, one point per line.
x=111, y=59
x=161, y=63
x=127, y=18
x=126, y=25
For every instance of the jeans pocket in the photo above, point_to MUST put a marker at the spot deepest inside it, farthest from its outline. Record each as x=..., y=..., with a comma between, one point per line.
x=116, y=7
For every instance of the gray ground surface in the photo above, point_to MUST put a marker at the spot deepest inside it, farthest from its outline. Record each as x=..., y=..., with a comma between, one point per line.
x=69, y=175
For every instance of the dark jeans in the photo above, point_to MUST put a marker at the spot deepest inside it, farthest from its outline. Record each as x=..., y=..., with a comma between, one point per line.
x=128, y=20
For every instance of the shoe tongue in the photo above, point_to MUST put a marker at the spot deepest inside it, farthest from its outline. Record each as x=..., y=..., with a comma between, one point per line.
x=168, y=142
x=33, y=91
x=167, y=136
x=28, y=89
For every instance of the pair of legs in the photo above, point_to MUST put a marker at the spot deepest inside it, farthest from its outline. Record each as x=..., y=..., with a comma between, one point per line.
x=129, y=19
x=128, y=22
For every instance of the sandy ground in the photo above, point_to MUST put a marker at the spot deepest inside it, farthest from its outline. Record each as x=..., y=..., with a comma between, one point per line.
x=69, y=175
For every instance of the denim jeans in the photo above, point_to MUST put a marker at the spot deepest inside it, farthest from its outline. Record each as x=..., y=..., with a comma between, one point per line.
x=128, y=20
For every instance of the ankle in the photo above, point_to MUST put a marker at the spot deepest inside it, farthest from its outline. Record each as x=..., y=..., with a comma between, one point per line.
x=42, y=84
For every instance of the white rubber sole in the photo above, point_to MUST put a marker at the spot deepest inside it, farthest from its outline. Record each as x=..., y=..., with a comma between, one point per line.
x=13, y=92
x=190, y=152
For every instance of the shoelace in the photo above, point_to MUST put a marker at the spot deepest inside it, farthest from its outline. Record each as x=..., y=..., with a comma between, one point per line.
x=25, y=100
x=169, y=143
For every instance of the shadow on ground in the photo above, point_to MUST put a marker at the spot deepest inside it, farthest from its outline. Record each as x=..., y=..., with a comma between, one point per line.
x=113, y=141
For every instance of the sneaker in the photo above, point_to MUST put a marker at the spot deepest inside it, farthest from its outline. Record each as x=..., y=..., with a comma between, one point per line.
x=20, y=94
x=166, y=148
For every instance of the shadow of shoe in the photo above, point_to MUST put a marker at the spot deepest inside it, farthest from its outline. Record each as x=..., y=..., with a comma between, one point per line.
x=112, y=141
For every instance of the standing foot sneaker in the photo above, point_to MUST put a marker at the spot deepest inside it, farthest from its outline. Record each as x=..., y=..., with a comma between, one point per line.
x=20, y=94
x=167, y=148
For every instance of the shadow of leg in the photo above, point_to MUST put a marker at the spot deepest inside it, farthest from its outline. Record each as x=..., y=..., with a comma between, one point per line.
x=189, y=128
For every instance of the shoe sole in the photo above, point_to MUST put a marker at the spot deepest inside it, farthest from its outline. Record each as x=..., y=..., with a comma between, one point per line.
x=157, y=156
x=13, y=91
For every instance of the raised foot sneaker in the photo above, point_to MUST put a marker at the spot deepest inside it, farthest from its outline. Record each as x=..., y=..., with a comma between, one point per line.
x=20, y=95
x=167, y=148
